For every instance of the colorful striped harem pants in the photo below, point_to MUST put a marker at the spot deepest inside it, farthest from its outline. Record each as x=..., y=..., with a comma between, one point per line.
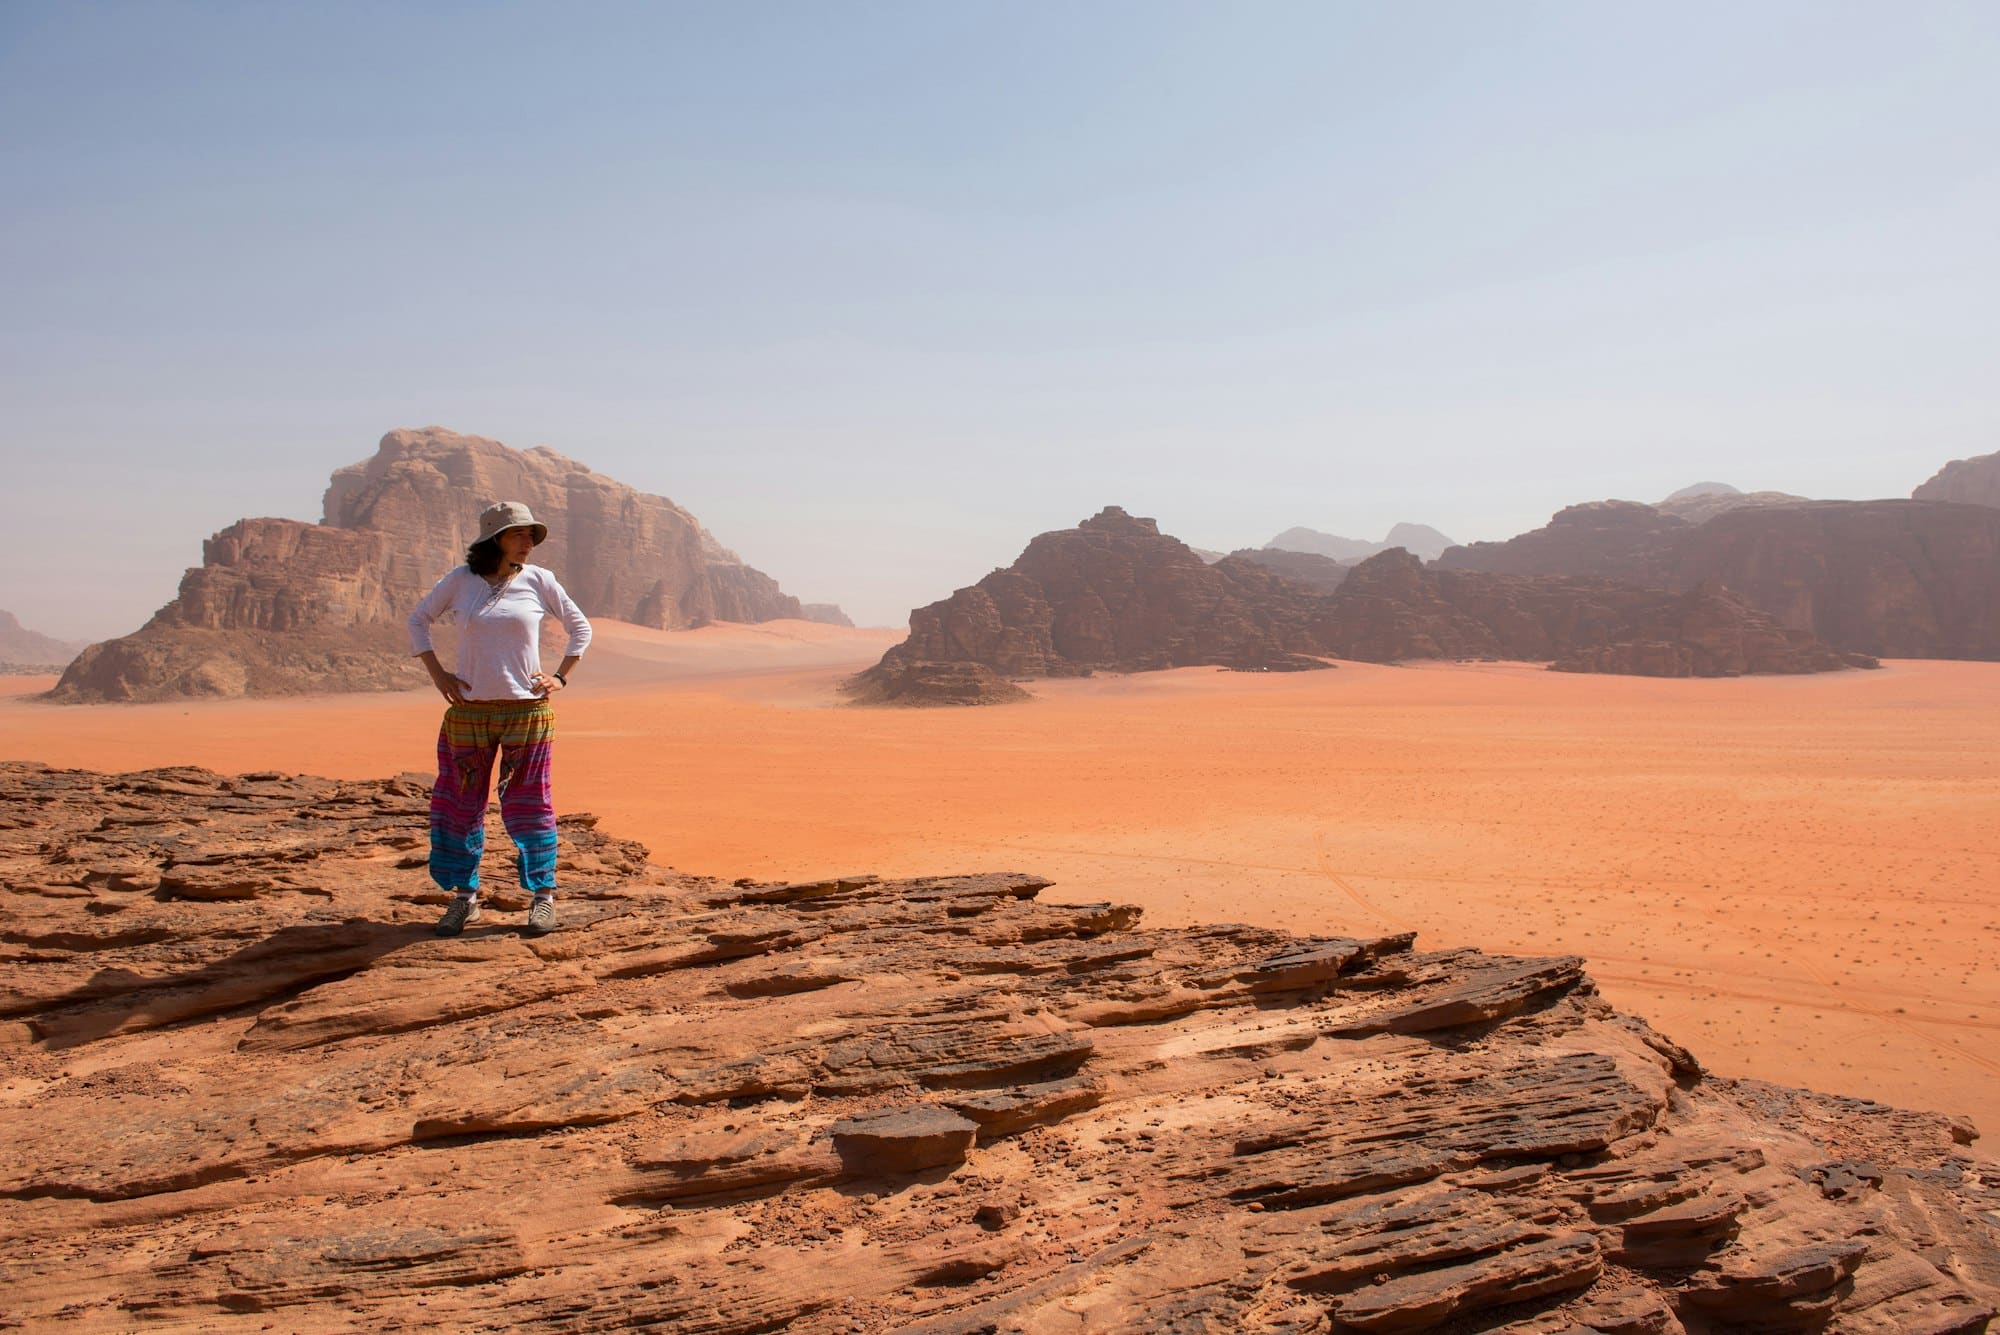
x=521, y=733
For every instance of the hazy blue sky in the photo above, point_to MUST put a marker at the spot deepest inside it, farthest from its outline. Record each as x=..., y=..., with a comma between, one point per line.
x=879, y=291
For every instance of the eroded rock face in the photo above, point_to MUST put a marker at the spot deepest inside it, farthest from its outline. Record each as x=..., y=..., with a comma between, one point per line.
x=1708, y=632
x=1893, y=579
x=1974, y=481
x=1112, y=593
x=1394, y=608
x=283, y=607
x=1307, y=568
x=247, y=1089
x=1897, y=579
x=1117, y=594
x=1618, y=540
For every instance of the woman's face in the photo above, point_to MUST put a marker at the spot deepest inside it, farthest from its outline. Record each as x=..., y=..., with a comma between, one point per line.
x=516, y=544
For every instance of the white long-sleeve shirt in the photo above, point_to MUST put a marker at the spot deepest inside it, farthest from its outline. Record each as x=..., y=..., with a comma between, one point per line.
x=499, y=643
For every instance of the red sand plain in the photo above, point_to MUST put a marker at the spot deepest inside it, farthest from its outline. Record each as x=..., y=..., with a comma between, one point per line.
x=1797, y=877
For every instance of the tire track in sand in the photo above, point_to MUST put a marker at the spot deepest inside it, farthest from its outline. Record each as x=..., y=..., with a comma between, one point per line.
x=1832, y=1003
x=1324, y=867
x=1361, y=901
x=1923, y=1030
x=1903, y=1022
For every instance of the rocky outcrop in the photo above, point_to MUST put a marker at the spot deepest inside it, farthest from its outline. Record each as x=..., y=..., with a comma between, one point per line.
x=283, y=607
x=621, y=553
x=1116, y=594
x=1314, y=571
x=248, y=1090
x=1393, y=608
x=1708, y=632
x=163, y=662
x=1896, y=579
x=1974, y=481
x=826, y=614
x=1420, y=539
x=1893, y=579
x=921, y=682
x=26, y=650
x=1112, y=593
x=1619, y=540
x=1705, y=500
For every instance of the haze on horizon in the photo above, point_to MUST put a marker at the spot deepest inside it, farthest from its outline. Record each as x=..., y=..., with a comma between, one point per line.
x=879, y=291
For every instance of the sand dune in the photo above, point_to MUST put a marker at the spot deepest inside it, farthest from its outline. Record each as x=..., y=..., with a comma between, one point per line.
x=1794, y=876
x=624, y=653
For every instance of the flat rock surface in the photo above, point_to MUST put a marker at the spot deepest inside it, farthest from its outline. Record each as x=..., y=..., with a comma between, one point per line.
x=246, y=1088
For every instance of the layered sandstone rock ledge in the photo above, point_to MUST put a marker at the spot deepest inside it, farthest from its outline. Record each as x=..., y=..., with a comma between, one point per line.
x=247, y=1089
x=280, y=607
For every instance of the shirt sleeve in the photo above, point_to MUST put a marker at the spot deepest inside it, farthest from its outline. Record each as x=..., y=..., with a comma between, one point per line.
x=557, y=600
x=434, y=605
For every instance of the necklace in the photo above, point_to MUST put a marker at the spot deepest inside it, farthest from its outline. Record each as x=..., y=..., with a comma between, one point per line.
x=494, y=590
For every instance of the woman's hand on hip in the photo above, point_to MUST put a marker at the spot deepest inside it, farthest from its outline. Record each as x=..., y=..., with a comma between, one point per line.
x=450, y=687
x=545, y=684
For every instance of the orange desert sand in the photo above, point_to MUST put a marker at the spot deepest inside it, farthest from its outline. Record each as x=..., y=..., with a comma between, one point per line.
x=1794, y=876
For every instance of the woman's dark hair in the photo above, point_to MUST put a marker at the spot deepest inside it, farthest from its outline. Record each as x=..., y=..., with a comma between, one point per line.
x=484, y=557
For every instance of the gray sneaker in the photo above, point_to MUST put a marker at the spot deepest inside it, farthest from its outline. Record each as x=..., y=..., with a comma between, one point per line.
x=462, y=910
x=542, y=916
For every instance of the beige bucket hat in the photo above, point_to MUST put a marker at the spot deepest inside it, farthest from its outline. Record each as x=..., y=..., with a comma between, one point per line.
x=497, y=518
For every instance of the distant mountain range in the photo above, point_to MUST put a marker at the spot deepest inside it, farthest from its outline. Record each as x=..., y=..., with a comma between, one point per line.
x=1116, y=594
x=1419, y=540
x=24, y=648
x=1695, y=504
x=1710, y=581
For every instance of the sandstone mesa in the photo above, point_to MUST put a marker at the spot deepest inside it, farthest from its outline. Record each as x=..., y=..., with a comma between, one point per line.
x=281, y=607
x=248, y=1090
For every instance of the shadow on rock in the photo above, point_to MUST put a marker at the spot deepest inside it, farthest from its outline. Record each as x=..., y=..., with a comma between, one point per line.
x=290, y=960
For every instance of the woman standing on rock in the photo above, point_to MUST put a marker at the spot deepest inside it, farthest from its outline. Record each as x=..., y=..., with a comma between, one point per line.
x=499, y=707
